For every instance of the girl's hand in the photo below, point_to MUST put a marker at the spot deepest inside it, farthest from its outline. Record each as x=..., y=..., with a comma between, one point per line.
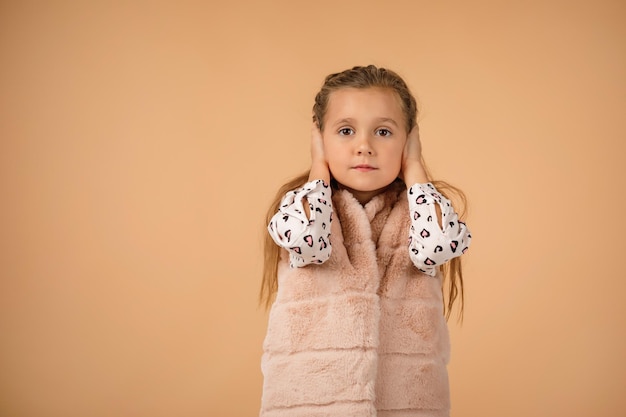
x=413, y=171
x=412, y=168
x=319, y=165
x=317, y=146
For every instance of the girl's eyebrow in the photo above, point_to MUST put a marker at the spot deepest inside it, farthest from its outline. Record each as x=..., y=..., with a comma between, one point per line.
x=349, y=120
x=344, y=121
x=388, y=120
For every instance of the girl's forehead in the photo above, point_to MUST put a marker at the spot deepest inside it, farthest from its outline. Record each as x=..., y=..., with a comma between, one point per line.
x=384, y=101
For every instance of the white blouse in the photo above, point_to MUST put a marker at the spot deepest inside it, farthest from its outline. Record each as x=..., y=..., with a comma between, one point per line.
x=308, y=239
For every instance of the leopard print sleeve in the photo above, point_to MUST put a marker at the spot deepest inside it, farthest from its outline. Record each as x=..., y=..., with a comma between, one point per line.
x=306, y=239
x=429, y=244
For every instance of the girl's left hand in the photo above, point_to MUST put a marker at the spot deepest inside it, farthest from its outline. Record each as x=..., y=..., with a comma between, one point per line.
x=319, y=164
x=412, y=168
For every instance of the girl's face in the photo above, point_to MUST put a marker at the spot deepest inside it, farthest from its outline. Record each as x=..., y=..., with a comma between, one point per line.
x=364, y=137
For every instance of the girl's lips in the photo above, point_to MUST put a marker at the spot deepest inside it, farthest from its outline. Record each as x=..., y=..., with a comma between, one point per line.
x=364, y=168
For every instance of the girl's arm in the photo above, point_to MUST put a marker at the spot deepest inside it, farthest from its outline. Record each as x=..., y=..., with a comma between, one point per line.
x=319, y=166
x=413, y=171
x=437, y=235
x=430, y=243
x=302, y=224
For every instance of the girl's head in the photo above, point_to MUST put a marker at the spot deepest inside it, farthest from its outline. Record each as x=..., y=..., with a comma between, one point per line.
x=365, y=115
x=365, y=77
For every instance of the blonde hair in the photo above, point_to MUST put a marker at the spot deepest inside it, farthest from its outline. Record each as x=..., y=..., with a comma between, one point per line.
x=365, y=77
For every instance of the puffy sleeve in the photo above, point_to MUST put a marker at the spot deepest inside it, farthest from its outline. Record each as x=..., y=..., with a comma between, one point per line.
x=306, y=238
x=431, y=245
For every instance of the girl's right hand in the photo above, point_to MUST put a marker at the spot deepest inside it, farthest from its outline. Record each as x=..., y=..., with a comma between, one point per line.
x=319, y=165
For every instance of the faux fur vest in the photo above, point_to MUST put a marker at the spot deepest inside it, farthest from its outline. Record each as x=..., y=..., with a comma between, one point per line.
x=362, y=334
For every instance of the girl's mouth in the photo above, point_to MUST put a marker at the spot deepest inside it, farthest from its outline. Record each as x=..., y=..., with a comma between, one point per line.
x=364, y=168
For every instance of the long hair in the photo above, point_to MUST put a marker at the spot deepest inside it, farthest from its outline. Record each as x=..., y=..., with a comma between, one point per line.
x=365, y=77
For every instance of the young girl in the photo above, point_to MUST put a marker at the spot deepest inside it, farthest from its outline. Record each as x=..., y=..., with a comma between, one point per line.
x=357, y=262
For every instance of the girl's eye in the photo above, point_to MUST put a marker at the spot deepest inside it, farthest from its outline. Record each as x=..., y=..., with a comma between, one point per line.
x=345, y=131
x=383, y=132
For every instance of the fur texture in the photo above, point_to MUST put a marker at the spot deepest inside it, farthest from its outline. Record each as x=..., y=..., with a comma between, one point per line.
x=362, y=334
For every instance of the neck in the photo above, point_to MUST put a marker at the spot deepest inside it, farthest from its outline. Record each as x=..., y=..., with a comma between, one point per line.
x=364, y=197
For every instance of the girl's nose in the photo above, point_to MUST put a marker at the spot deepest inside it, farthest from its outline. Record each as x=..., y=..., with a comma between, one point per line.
x=364, y=147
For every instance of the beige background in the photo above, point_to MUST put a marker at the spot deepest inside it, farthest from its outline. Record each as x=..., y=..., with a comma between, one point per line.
x=141, y=143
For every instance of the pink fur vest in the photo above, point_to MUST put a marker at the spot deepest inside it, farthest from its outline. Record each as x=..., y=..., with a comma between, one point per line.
x=362, y=334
